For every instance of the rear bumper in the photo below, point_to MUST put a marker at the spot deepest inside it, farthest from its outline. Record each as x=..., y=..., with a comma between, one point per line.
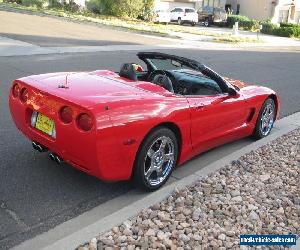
x=78, y=148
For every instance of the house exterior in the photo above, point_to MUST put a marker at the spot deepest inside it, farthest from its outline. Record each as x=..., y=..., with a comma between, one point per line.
x=276, y=10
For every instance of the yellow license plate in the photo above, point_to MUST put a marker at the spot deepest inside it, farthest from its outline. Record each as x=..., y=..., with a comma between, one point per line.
x=44, y=124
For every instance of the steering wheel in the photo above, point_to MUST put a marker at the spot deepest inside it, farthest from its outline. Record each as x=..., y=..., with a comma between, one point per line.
x=155, y=73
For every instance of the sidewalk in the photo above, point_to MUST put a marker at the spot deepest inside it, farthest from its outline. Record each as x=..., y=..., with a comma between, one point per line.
x=264, y=39
x=255, y=194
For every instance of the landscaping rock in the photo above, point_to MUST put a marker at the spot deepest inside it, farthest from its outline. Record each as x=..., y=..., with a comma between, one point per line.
x=256, y=194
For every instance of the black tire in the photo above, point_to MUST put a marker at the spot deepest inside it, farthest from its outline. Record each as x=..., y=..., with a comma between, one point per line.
x=142, y=157
x=258, y=130
x=179, y=21
x=193, y=23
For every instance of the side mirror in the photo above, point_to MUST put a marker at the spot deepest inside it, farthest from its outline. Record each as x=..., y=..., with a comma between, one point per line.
x=232, y=91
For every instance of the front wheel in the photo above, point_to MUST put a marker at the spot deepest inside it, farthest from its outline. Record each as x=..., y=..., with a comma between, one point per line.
x=265, y=120
x=156, y=159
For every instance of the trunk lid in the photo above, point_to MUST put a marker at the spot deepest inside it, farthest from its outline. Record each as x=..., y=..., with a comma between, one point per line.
x=93, y=87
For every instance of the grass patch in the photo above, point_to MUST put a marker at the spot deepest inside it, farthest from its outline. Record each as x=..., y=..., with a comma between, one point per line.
x=236, y=39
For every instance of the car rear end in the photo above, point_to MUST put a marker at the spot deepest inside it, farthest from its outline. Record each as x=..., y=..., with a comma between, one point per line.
x=162, y=16
x=65, y=128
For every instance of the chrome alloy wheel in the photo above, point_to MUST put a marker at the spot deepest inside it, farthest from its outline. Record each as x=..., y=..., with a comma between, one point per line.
x=159, y=160
x=267, y=119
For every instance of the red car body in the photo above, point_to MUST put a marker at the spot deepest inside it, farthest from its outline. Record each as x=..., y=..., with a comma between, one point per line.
x=123, y=113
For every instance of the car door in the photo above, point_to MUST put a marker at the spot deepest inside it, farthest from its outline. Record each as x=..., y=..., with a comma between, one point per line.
x=216, y=118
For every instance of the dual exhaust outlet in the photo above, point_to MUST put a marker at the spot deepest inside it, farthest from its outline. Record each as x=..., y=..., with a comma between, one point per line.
x=40, y=148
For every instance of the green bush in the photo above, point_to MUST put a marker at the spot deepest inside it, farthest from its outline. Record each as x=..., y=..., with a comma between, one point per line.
x=289, y=25
x=71, y=6
x=122, y=8
x=55, y=4
x=285, y=29
x=244, y=22
x=94, y=6
x=268, y=27
x=13, y=1
x=37, y=3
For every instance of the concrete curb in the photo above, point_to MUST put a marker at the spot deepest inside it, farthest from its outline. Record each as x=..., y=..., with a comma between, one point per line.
x=94, y=222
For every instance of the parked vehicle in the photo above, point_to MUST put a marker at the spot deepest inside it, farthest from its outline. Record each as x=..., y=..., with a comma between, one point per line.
x=184, y=15
x=210, y=15
x=138, y=124
x=162, y=16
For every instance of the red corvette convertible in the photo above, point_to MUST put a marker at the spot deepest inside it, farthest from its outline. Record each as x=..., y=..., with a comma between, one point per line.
x=138, y=123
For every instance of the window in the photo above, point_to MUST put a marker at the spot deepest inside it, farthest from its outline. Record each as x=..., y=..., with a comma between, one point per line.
x=198, y=84
x=283, y=16
x=297, y=17
x=177, y=10
x=189, y=10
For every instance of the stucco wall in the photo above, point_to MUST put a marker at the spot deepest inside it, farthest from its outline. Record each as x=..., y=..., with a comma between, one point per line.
x=257, y=9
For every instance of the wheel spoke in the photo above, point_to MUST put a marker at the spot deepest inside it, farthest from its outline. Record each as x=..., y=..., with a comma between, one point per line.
x=150, y=153
x=150, y=171
x=169, y=157
x=163, y=145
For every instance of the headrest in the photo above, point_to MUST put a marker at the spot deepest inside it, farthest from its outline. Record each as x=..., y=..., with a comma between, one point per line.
x=128, y=71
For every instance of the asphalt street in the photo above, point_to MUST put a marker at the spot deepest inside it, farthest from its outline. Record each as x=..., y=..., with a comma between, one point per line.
x=36, y=194
x=49, y=32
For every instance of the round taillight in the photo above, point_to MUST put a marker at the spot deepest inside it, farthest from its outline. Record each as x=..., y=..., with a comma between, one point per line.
x=66, y=114
x=84, y=122
x=15, y=90
x=24, y=95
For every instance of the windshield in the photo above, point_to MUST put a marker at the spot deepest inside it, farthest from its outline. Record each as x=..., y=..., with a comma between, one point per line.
x=166, y=64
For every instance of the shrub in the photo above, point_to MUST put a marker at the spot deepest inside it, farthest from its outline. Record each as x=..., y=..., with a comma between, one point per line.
x=285, y=29
x=37, y=3
x=55, y=4
x=289, y=25
x=268, y=27
x=71, y=6
x=13, y=1
x=122, y=8
x=244, y=22
x=94, y=6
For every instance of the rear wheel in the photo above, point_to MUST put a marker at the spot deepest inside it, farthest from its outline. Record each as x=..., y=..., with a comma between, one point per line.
x=193, y=23
x=265, y=120
x=179, y=21
x=156, y=159
x=206, y=22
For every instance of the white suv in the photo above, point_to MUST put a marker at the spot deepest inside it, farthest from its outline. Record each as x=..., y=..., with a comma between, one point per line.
x=184, y=15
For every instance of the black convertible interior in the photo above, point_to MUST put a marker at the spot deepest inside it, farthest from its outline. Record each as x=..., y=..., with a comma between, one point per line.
x=179, y=75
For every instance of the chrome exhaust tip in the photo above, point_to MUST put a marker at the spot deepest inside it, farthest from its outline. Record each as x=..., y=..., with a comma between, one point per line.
x=52, y=156
x=34, y=145
x=39, y=147
x=56, y=158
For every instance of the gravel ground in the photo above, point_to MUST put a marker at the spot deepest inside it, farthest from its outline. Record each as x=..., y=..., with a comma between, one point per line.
x=256, y=194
